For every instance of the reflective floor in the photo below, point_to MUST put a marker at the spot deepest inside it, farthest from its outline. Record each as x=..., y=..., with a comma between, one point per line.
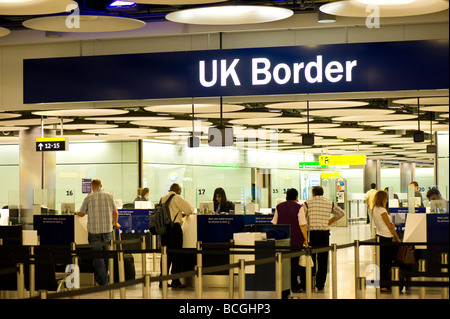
x=212, y=288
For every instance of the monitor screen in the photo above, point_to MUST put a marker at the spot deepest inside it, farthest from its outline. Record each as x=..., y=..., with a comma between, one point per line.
x=67, y=208
x=439, y=206
x=206, y=208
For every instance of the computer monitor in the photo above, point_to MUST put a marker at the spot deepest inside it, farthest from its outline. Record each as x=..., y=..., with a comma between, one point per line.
x=67, y=208
x=142, y=204
x=206, y=208
x=438, y=206
x=417, y=201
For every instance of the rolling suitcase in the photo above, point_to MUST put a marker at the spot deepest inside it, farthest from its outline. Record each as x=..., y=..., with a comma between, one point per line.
x=128, y=262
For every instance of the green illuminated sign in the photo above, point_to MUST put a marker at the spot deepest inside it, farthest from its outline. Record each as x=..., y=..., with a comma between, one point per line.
x=310, y=165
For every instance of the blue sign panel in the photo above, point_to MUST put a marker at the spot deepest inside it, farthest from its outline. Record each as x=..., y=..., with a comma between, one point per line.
x=382, y=66
x=134, y=221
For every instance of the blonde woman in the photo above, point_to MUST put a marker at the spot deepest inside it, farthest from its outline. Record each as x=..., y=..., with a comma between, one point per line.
x=386, y=233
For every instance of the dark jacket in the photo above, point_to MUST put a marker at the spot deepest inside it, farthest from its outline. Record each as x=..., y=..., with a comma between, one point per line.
x=225, y=207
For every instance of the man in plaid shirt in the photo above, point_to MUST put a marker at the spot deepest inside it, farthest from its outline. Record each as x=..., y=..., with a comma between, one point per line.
x=318, y=212
x=103, y=216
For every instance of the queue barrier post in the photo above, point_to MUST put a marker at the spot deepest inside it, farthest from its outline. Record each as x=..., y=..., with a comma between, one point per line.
x=146, y=289
x=357, y=273
x=308, y=273
x=278, y=276
x=143, y=261
x=111, y=269
x=43, y=294
x=334, y=272
x=241, y=278
x=361, y=288
x=32, y=269
x=395, y=277
x=377, y=262
x=231, y=276
x=164, y=271
x=444, y=270
x=198, y=281
x=20, y=281
x=422, y=269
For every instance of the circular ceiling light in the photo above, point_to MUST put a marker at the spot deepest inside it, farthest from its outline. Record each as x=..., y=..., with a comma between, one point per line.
x=129, y=118
x=239, y=115
x=316, y=105
x=198, y=108
x=170, y=123
x=177, y=2
x=34, y=122
x=35, y=7
x=372, y=118
x=230, y=15
x=4, y=116
x=435, y=108
x=4, y=31
x=294, y=126
x=121, y=131
x=13, y=128
x=385, y=8
x=83, y=23
x=423, y=101
x=81, y=126
x=349, y=112
x=80, y=112
x=261, y=121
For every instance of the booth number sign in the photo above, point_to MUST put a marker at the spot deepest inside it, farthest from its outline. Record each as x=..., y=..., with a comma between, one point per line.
x=50, y=144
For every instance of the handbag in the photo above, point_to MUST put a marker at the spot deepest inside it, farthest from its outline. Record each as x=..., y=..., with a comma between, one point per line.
x=302, y=261
x=406, y=255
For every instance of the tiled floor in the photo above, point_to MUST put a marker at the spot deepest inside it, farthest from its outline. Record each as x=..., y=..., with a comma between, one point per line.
x=345, y=276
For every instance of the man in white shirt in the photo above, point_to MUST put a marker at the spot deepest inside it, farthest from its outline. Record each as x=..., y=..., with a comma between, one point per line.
x=179, y=208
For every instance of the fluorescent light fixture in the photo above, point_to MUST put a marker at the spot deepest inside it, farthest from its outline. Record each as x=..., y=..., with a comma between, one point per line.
x=385, y=8
x=121, y=4
x=229, y=15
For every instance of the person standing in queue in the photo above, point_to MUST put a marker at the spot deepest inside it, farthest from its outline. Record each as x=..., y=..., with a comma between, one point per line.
x=318, y=211
x=385, y=232
x=103, y=217
x=288, y=213
x=369, y=200
x=173, y=239
x=221, y=203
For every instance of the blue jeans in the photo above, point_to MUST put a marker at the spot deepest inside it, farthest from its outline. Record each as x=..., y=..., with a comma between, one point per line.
x=100, y=264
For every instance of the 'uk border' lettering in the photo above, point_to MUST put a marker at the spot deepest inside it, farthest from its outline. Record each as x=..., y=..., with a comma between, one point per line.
x=263, y=73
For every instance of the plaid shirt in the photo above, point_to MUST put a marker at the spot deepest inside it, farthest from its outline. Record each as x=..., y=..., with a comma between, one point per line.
x=320, y=210
x=99, y=206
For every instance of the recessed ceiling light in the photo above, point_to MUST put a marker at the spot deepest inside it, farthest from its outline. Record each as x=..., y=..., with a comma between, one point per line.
x=423, y=101
x=385, y=8
x=4, y=32
x=80, y=112
x=349, y=112
x=372, y=118
x=239, y=115
x=35, y=7
x=33, y=122
x=129, y=118
x=171, y=123
x=316, y=105
x=120, y=131
x=9, y=115
x=230, y=15
x=261, y=121
x=198, y=108
x=86, y=23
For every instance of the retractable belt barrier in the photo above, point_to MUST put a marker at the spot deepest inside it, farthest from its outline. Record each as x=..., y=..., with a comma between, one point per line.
x=65, y=253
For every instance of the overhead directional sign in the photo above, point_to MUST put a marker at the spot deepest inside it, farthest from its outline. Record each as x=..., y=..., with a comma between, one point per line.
x=46, y=144
x=342, y=160
x=310, y=165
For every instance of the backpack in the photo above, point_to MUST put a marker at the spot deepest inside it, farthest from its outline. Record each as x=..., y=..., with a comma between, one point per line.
x=160, y=222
